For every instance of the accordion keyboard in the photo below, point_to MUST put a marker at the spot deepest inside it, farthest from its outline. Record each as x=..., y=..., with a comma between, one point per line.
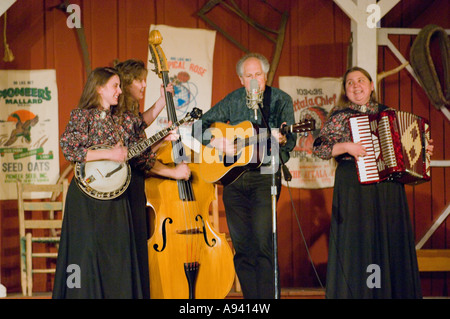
x=367, y=165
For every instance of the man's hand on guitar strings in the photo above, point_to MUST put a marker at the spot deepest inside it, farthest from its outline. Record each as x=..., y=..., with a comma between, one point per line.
x=225, y=145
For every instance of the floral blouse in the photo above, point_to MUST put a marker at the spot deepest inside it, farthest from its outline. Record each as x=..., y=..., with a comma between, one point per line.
x=337, y=129
x=88, y=127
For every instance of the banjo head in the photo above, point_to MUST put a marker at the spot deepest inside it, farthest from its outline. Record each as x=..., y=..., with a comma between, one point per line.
x=96, y=175
x=102, y=179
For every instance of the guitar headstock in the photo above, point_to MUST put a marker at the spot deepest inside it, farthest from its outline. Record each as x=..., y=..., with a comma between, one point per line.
x=158, y=56
x=300, y=127
x=304, y=126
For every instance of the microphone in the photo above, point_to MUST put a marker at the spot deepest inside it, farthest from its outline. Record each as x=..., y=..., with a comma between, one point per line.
x=254, y=97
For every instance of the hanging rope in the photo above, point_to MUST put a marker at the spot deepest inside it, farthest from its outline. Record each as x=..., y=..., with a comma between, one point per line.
x=9, y=57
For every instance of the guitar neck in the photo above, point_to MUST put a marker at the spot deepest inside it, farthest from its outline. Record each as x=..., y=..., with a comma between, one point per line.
x=145, y=144
x=304, y=126
x=253, y=139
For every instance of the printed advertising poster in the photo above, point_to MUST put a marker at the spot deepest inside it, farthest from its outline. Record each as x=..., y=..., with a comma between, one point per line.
x=28, y=129
x=313, y=98
x=189, y=56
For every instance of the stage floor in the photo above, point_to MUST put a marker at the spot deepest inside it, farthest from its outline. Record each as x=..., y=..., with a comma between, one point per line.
x=286, y=293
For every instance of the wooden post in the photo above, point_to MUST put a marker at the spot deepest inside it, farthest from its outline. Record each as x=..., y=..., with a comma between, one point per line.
x=365, y=16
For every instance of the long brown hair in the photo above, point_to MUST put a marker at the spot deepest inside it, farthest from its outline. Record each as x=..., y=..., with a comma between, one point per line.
x=129, y=70
x=343, y=101
x=98, y=77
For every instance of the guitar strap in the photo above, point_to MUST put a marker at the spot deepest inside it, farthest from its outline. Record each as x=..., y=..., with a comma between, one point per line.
x=265, y=110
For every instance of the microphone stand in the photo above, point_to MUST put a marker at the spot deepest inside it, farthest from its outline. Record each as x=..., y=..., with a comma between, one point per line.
x=274, y=191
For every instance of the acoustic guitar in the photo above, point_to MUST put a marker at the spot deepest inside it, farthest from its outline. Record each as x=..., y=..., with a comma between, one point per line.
x=250, y=149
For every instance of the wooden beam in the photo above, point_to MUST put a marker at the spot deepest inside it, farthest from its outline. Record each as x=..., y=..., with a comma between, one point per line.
x=386, y=6
x=278, y=48
x=265, y=31
x=383, y=39
x=433, y=228
x=4, y=5
x=364, y=34
x=433, y=259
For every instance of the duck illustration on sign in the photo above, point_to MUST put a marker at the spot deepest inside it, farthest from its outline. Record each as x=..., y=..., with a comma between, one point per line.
x=25, y=120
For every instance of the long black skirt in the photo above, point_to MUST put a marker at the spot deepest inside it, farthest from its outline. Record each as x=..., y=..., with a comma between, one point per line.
x=141, y=227
x=98, y=253
x=371, y=247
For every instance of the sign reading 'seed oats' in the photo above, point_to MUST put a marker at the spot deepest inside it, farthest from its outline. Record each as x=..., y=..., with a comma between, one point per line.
x=29, y=136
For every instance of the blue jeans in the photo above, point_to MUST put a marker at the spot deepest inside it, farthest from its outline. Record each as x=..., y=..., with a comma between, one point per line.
x=248, y=207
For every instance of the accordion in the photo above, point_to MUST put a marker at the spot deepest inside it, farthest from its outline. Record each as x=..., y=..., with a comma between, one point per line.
x=395, y=142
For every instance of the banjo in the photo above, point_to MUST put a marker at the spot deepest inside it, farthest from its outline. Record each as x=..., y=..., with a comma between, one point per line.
x=105, y=179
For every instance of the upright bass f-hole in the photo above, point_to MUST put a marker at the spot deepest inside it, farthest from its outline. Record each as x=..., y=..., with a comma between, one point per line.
x=163, y=232
x=205, y=236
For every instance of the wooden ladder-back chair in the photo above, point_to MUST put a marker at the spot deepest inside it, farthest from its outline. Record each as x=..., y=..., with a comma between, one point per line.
x=40, y=224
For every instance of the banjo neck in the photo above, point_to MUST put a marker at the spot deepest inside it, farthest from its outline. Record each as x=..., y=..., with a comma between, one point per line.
x=143, y=145
x=105, y=179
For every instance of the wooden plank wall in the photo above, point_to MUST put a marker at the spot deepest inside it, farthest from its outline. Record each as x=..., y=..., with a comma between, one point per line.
x=316, y=45
x=401, y=91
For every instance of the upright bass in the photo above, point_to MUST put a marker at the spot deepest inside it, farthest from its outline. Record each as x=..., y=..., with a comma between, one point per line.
x=188, y=258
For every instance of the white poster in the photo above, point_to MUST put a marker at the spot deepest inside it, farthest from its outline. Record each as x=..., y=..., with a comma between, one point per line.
x=29, y=136
x=189, y=55
x=313, y=98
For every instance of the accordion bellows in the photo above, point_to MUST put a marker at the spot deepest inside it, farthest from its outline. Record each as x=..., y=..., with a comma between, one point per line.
x=395, y=143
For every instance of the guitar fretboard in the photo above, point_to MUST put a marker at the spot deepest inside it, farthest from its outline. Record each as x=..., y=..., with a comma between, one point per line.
x=252, y=140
